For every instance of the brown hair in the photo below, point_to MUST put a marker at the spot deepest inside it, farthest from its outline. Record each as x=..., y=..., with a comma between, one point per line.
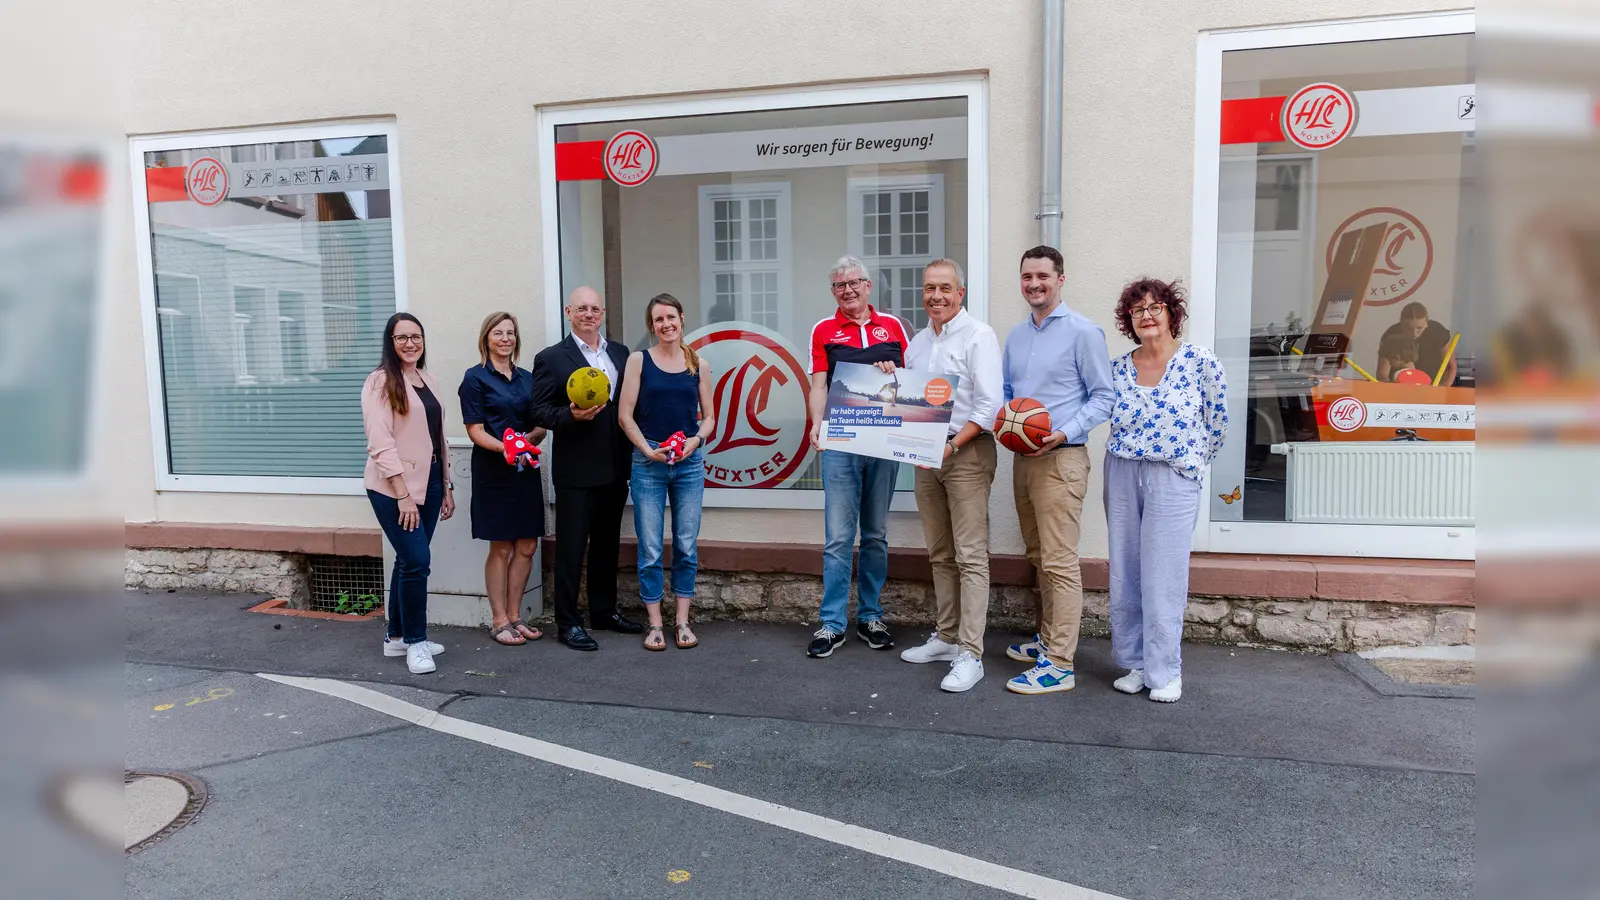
x=1413, y=311
x=690, y=358
x=1045, y=251
x=495, y=318
x=392, y=368
x=1167, y=293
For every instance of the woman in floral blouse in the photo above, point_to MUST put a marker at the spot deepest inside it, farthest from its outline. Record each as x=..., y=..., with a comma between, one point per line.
x=1170, y=419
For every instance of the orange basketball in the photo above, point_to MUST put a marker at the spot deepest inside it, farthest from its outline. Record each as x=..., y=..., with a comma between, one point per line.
x=1022, y=425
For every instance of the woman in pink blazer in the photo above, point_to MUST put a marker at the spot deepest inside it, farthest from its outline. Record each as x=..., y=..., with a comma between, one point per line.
x=406, y=480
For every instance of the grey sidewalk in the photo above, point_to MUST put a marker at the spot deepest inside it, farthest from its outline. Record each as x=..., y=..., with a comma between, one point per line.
x=1237, y=702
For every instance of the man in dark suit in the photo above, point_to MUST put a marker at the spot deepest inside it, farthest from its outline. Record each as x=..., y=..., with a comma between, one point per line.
x=590, y=464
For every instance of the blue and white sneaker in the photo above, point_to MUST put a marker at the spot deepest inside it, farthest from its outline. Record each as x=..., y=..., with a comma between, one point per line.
x=1044, y=678
x=1026, y=652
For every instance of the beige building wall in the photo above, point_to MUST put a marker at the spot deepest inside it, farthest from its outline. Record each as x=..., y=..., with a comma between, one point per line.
x=464, y=83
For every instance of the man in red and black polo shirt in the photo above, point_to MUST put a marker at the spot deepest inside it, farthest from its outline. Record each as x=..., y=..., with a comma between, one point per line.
x=856, y=489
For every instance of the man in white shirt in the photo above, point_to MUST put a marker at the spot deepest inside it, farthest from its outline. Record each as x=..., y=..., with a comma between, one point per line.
x=954, y=499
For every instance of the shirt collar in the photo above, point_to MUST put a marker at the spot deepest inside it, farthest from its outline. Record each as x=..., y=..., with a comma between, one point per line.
x=956, y=325
x=844, y=320
x=488, y=366
x=1060, y=312
x=585, y=347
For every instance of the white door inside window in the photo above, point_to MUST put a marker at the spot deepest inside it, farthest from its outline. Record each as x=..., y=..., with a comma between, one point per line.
x=896, y=227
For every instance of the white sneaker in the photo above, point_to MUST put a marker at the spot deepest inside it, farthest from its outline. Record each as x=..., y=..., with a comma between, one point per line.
x=398, y=648
x=1131, y=683
x=418, y=659
x=1027, y=651
x=965, y=672
x=1170, y=693
x=934, y=650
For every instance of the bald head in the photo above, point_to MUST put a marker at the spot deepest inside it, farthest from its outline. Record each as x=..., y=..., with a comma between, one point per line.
x=586, y=312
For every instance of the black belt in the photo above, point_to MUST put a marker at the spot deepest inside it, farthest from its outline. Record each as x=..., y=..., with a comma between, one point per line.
x=1067, y=446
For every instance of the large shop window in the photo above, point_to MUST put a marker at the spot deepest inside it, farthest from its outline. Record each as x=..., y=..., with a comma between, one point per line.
x=740, y=215
x=1343, y=284
x=271, y=273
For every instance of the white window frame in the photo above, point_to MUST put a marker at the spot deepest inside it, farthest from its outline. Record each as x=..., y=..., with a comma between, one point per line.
x=166, y=479
x=975, y=89
x=710, y=268
x=1292, y=538
x=856, y=188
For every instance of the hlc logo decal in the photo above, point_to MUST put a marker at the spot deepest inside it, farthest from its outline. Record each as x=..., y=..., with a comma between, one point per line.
x=630, y=158
x=1319, y=116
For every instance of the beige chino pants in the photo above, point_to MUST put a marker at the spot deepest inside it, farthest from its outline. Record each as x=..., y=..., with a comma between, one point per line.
x=954, y=504
x=1049, y=492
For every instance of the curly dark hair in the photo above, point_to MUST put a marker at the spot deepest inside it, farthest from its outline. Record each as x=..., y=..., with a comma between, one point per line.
x=1168, y=293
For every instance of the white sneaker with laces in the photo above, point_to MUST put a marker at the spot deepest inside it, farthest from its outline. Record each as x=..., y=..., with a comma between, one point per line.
x=418, y=659
x=1170, y=693
x=398, y=648
x=1131, y=683
x=965, y=672
x=935, y=650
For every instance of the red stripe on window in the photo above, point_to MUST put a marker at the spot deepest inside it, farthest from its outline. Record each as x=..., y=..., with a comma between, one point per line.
x=1252, y=121
x=165, y=184
x=581, y=161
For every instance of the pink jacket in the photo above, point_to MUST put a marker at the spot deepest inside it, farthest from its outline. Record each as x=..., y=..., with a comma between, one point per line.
x=398, y=444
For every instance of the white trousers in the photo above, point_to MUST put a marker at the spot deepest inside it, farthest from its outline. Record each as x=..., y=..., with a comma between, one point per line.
x=1150, y=516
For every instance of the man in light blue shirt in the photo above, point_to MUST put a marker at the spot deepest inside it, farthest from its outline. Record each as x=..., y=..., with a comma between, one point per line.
x=1058, y=358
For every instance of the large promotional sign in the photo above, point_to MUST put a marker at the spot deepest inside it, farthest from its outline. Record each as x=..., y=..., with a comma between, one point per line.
x=763, y=434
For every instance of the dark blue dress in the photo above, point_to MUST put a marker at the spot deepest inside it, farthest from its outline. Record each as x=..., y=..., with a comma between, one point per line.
x=507, y=505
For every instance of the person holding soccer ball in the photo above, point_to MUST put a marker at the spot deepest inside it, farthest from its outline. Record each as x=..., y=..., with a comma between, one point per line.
x=1169, y=423
x=590, y=464
x=1057, y=358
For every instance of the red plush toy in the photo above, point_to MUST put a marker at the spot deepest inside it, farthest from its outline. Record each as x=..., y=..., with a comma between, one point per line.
x=674, y=446
x=519, y=450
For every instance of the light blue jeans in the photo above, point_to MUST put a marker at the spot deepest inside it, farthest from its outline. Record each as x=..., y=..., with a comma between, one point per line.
x=1150, y=516
x=653, y=484
x=856, y=490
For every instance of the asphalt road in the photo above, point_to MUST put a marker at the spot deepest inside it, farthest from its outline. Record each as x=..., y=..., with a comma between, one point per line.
x=1278, y=775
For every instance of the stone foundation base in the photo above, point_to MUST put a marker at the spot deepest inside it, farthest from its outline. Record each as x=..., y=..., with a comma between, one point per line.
x=284, y=576
x=793, y=599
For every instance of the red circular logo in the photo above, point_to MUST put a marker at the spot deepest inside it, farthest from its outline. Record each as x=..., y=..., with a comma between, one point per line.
x=763, y=436
x=207, y=181
x=630, y=158
x=1319, y=116
x=1347, y=414
x=1405, y=259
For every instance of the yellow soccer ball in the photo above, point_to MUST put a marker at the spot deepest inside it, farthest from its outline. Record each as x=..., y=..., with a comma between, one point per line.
x=588, y=387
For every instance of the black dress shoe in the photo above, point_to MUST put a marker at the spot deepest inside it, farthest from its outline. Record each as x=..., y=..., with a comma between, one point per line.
x=615, y=622
x=576, y=638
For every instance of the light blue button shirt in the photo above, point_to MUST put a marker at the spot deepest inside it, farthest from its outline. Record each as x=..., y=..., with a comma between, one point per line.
x=1063, y=364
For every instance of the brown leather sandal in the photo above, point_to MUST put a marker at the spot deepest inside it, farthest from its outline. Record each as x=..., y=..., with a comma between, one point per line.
x=653, y=633
x=508, y=636
x=528, y=632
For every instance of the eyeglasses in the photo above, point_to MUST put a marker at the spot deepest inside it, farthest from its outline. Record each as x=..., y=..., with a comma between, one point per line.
x=1153, y=310
x=408, y=339
x=853, y=284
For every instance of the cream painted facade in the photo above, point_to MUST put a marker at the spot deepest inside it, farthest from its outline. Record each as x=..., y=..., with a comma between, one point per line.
x=465, y=89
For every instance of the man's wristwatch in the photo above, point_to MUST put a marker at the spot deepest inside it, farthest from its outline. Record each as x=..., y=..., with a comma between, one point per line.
x=954, y=447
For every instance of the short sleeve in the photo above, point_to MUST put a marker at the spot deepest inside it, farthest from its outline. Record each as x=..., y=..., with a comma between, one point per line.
x=471, y=396
x=819, y=350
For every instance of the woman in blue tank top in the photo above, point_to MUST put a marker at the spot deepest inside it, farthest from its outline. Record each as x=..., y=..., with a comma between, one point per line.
x=666, y=391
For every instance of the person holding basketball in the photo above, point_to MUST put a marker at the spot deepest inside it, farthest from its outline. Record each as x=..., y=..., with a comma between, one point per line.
x=953, y=500
x=1169, y=423
x=1058, y=358
x=1432, y=345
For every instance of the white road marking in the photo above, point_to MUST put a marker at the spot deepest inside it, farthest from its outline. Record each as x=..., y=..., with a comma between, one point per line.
x=927, y=856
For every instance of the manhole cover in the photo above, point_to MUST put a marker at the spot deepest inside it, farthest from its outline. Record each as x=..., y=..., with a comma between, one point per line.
x=158, y=804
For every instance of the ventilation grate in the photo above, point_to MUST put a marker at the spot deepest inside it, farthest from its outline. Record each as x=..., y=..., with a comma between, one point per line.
x=345, y=584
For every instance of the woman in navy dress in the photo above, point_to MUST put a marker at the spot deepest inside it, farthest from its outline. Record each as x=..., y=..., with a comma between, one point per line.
x=507, y=504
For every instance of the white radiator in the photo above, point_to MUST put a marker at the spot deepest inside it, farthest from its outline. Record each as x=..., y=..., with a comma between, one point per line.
x=1380, y=482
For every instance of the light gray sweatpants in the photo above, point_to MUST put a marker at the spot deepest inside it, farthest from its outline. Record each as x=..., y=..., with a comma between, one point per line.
x=1150, y=515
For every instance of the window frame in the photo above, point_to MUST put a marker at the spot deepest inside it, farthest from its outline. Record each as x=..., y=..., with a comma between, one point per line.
x=1292, y=538
x=857, y=188
x=974, y=89
x=708, y=195
x=138, y=146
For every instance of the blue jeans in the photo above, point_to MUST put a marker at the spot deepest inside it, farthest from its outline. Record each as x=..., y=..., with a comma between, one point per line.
x=408, y=586
x=652, y=484
x=856, y=490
